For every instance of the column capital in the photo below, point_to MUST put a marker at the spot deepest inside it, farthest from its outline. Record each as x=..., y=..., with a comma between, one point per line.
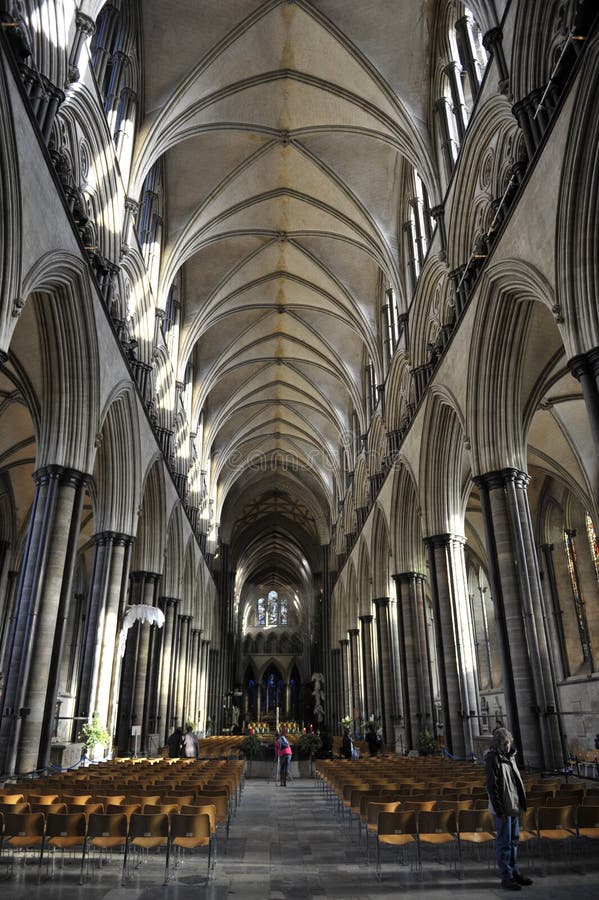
x=169, y=601
x=142, y=575
x=84, y=23
x=492, y=37
x=366, y=619
x=407, y=577
x=65, y=476
x=585, y=363
x=344, y=641
x=381, y=602
x=112, y=537
x=443, y=540
x=353, y=632
x=500, y=478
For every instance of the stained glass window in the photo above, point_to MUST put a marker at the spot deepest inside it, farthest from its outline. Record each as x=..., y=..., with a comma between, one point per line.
x=593, y=544
x=273, y=608
x=581, y=619
x=283, y=611
x=261, y=612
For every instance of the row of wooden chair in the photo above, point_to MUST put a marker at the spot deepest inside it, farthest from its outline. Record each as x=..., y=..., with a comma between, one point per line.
x=106, y=833
x=402, y=828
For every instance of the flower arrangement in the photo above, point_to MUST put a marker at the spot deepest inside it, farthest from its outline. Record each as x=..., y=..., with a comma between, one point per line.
x=93, y=733
x=427, y=743
x=346, y=722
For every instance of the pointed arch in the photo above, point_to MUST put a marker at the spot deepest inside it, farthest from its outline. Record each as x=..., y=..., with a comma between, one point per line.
x=445, y=465
x=151, y=530
x=117, y=471
x=380, y=554
x=406, y=531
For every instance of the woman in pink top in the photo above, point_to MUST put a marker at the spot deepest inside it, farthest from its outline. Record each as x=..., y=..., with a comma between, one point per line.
x=283, y=751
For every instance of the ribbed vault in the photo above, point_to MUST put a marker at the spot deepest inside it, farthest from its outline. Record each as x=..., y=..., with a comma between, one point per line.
x=284, y=130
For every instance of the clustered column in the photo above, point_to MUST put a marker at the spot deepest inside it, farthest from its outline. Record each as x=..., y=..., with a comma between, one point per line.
x=415, y=654
x=42, y=604
x=384, y=669
x=515, y=584
x=367, y=673
x=455, y=646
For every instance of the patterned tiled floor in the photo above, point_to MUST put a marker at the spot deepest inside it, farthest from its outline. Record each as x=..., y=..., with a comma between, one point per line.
x=286, y=843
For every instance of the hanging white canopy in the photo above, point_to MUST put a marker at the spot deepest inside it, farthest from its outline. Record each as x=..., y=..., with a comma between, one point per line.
x=139, y=613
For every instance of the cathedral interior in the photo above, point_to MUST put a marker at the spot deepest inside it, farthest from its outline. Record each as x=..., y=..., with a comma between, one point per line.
x=299, y=372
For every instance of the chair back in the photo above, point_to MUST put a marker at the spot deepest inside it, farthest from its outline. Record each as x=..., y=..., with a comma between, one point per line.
x=148, y=825
x=190, y=827
x=66, y=825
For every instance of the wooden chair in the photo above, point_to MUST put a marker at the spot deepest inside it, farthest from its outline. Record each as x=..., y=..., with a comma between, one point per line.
x=147, y=833
x=437, y=830
x=65, y=832
x=396, y=829
x=587, y=825
x=556, y=829
x=106, y=832
x=374, y=808
x=189, y=833
x=23, y=832
x=476, y=829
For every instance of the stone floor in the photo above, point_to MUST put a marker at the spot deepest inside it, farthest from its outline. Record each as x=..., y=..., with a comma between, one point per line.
x=286, y=843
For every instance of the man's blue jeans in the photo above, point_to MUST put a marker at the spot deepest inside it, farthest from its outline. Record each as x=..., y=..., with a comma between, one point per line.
x=506, y=845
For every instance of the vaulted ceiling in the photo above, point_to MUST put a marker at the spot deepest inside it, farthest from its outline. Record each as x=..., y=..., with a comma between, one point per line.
x=283, y=127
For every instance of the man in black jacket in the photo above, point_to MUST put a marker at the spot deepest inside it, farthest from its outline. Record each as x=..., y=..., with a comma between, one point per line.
x=508, y=800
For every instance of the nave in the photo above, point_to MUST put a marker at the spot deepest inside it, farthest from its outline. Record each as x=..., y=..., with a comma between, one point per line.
x=287, y=843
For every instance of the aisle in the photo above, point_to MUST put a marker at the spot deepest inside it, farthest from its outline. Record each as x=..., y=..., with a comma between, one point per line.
x=285, y=843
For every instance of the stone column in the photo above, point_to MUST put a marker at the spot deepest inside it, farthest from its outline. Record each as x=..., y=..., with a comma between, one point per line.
x=367, y=673
x=344, y=678
x=193, y=673
x=515, y=584
x=415, y=657
x=204, y=681
x=169, y=607
x=84, y=27
x=335, y=694
x=107, y=585
x=140, y=692
x=354, y=666
x=42, y=605
x=385, y=667
x=184, y=622
x=455, y=645
x=585, y=368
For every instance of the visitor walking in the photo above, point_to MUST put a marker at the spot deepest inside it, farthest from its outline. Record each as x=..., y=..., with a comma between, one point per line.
x=191, y=745
x=174, y=742
x=507, y=800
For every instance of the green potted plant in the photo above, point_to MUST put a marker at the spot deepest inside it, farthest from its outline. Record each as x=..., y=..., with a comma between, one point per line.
x=251, y=747
x=92, y=734
x=427, y=743
x=307, y=748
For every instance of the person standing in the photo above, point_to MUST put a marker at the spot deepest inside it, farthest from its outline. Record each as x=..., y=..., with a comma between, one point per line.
x=347, y=746
x=174, y=742
x=374, y=740
x=284, y=754
x=507, y=800
x=191, y=745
